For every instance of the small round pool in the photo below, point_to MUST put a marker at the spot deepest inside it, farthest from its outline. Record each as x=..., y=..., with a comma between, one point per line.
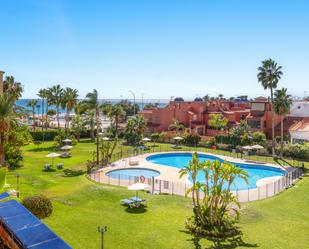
x=127, y=174
x=255, y=171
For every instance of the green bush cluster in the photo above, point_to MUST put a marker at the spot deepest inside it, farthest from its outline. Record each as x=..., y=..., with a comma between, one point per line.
x=39, y=205
x=191, y=139
x=48, y=135
x=300, y=151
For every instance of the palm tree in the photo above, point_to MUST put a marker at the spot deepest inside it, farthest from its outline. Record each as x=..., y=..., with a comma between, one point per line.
x=33, y=103
x=92, y=103
x=43, y=95
x=77, y=126
x=176, y=126
x=116, y=113
x=12, y=87
x=70, y=98
x=7, y=117
x=56, y=93
x=269, y=75
x=282, y=104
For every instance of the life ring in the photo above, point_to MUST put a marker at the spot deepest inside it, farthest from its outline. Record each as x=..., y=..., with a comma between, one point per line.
x=142, y=179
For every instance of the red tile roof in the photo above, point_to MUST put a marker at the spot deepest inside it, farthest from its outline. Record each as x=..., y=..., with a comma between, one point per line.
x=302, y=125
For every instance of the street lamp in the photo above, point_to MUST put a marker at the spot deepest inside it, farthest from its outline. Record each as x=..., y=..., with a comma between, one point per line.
x=102, y=230
x=17, y=184
x=133, y=101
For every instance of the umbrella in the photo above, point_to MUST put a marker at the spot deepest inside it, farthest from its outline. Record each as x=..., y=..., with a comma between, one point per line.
x=247, y=147
x=53, y=155
x=105, y=138
x=138, y=186
x=178, y=138
x=257, y=147
x=146, y=139
x=67, y=140
x=66, y=147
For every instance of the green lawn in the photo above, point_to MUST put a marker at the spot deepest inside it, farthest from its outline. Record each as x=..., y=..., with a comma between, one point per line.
x=81, y=205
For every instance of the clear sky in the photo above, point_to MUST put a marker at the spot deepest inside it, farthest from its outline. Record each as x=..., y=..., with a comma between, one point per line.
x=160, y=48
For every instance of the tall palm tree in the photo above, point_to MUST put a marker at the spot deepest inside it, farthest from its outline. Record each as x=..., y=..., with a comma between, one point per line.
x=282, y=105
x=77, y=126
x=12, y=87
x=33, y=103
x=56, y=94
x=7, y=117
x=70, y=98
x=116, y=113
x=92, y=103
x=43, y=95
x=269, y=75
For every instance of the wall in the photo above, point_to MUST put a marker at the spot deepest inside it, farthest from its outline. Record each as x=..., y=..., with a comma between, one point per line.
x=300, y=109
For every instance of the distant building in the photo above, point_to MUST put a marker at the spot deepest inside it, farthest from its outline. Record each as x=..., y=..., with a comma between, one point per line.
x=299, y=131
x=194, y=115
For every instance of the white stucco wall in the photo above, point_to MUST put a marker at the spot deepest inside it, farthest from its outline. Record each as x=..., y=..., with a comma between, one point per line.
x=300, y=109
x=301, y=135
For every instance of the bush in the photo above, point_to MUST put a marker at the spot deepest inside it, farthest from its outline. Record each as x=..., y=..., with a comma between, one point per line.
x=232, y=140
x=44, y=135
x=38, y=205
x=300, y=151
x=192, y=139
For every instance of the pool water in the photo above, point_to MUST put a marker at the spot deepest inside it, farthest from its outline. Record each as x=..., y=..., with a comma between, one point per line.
x=256, y=172
x=128, y=174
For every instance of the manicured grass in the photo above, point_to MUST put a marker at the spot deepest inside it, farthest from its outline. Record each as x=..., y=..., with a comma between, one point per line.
x=2, y=177
x=81, y=205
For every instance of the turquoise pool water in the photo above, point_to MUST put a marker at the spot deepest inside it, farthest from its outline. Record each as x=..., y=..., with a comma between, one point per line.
x=128, y=174
x=256, y=172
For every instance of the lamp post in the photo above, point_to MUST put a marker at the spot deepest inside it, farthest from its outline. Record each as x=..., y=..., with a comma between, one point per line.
x=102, y=230
x=133, y=101
x=17, y=184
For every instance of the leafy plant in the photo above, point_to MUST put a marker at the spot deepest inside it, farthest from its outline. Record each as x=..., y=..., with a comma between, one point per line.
x=39, y=205
x=215, y=208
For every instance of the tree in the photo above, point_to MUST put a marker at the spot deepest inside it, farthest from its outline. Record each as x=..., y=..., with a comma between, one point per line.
x=77, y=126
x=217, y=121
x=206, y=98
x=215, y=214
x=269, y=75
x=282, y=105
x=70, y=98
x=176, y=126
x=155, y=137
x=13, y=88
x=134, y=130
x=56, y=98
x=116, y=113
x=43, y=95
x=7, y=117
x=32, y=104
x=92, y=103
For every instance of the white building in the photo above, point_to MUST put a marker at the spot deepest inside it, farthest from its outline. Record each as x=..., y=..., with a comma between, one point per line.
x=300, y=131
x=299, y=109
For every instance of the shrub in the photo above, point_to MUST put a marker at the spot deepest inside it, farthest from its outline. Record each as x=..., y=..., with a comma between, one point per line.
x=44, y=135
x=192, y=139
x=38, y=205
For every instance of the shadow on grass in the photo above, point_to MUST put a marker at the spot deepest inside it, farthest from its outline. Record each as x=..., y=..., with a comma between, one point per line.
x=230, y=243
x=219, y=243
x=86, y=141
x=282, y=162
x=72, y=173
x=41, y=149
x=48, y=170
x=138, y=210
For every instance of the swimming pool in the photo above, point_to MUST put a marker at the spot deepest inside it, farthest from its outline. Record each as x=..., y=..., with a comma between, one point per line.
x=255, y=171
x=127, y=174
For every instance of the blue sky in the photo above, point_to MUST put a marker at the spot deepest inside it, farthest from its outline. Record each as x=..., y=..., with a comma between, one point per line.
x=160, y=48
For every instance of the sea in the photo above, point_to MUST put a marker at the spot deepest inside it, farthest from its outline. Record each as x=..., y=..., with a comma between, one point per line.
x=141, y=103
